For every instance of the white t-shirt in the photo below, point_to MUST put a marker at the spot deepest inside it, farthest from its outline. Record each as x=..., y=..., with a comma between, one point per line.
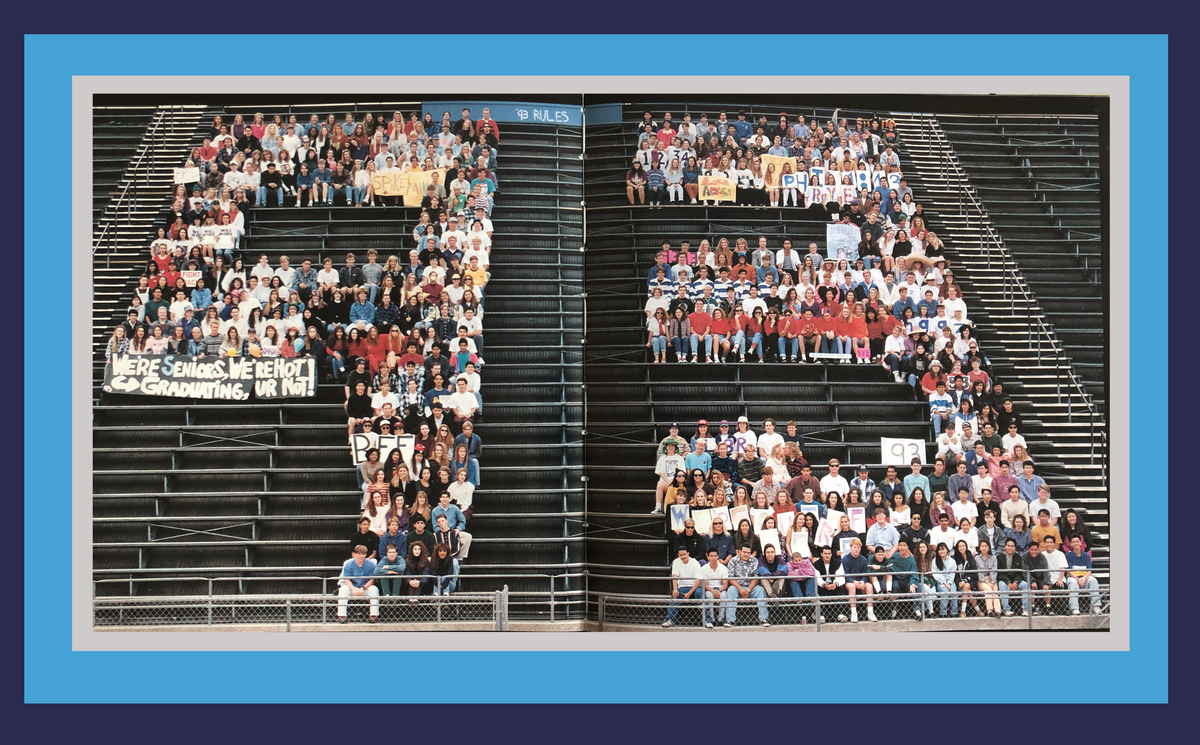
x=767, y=442
x=378, y=400
x=667, y=466
x=286, y=275
x=178, y=307
x=462, y=403
x=713, y=578
x=834, y=483
x=483, y=257
x=1037, y=505
x=743, y=441
x=1008, y=441
x=967, y=510
x=690, y=571
x=1057, y=561
x=328, y=277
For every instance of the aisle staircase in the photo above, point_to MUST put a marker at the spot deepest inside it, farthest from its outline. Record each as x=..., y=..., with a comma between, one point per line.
x=1034, y=357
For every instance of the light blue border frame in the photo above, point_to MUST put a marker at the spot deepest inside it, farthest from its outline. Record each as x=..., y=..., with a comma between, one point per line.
x=50, y=61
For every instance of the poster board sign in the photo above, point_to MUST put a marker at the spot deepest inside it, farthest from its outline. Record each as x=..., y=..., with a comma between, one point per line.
x=899, y=451
x=757, y=517
x=390, y=183
x=679, y=513
x=844, y=546
x=791, y=181
x=718, y=188
x=893, y=180
x=784, y=522
x=361, y=442
x=917, y=325
x=187, y=175
x=190, y=277
x=819, y=172
x=722, y=514
x=842, y=240
x=778, y=161
x=847, y=194
x=815, y=195
x=703, y=520
x=828, y=527
x=858, y=518
x=800, y=544
x=211, y=377
x=769, y=538
x=736, y=516
x=862, y=180
x=812, y=509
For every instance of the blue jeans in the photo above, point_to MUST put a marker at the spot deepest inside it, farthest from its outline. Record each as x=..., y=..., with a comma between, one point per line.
x=446, y=585
x=949, y=598
x=755, y=342
x=659, y=344
x=707, y=344
x=373, y=289
x=261, y=199
x=893, y=362
x=738, y=341
x=709, y=602
x=733, y=594
x=673, y=606
x=339, y=367
x=795, y=343
x=349, y=190
x=360, y=194
x=1092, y=587
x=681, y=346
x=803, y=588
x=1022, y=587
x=937, y=425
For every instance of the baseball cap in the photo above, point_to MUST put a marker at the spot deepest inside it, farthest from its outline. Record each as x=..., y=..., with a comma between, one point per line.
x=674, y=425
x=702, y=421
x=743, y=419
x=863, y=467
x=724, y=423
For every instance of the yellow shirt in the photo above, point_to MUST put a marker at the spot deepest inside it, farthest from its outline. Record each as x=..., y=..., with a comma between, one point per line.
x=478, y=276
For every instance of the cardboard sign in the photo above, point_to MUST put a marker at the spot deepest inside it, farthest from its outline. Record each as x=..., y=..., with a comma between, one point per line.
x=187, y=175
x=679, y=513
x=791, y=181
x=390, y=184
x=784, y=522
x=722, y=514
x=800, y=544
x=769, y=538
x=898, y=451
x=757, y=517
x=858, y=518
x=364, y=441
x=190, y=277
x=703, y=519
x=718, y=188
x=736, y=516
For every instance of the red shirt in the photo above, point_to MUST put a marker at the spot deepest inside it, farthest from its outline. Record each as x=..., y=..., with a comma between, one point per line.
x=753, y=326
x=719, y=326
x=809, y=327
x=171, y=276
x=858, y=326
x=701, y=322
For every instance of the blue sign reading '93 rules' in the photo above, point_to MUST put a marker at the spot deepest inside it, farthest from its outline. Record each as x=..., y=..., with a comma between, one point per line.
x=507, y=111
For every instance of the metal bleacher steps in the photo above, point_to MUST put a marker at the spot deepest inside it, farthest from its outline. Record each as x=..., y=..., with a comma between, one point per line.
x=263, y=497
x=841, y=410
x=134, y=150
x=1016, y=199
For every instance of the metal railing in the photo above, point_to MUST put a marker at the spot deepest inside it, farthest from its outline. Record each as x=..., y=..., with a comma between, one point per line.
x=560, y=600
x=1014, y=608
x=1013, y=281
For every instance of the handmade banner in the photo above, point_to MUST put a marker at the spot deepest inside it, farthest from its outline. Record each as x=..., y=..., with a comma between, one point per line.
x=211, y=378
x=364, y=441
x=718, y=188
x=842, y=241
x=390, y=184
x=417, y=181
x=828, y=527
x=778, y=161
x=190, y=277
x=187, y=175
x=897, y=451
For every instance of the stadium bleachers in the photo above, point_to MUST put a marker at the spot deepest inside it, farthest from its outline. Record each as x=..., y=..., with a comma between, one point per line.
x=263, y=497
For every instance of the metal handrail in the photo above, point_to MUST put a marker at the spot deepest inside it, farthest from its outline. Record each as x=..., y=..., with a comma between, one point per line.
x=1014, y=281
x=97, y=242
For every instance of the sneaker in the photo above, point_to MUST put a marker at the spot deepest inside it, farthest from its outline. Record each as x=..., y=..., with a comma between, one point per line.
x=727, y=625
x=707, y=624
x=841, y=618
x=871, y=615
x=764, y=623
x=822, y=618
x=743, y=359
x=896, y=376
x=1075, y=612
x=854, y=616
x=1007, y=613
x=657, y=510
x=667, y=624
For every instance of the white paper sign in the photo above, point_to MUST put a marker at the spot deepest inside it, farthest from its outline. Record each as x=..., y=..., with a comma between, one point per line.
x=898, y=451
x=769, y=538
x=784, y=522
x=736, y=516
x=364, y=441
x=842, y=240
x=757, y=517
x=703, y=520
x=722, y=514
x=858, y=518
x=791, y=181
x=679, y=513
x=844, y=548
x=187, y=175
x=190, y=277
x=800, y=543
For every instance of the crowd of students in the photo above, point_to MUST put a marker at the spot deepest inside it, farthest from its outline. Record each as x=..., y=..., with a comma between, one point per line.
x=403, y=335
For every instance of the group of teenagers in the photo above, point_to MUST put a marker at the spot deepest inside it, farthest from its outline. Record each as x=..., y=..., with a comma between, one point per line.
x=326, y=161
x=928, y=544
x=823, y=169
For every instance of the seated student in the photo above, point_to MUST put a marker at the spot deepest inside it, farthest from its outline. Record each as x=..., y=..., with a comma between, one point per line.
x=388, y=571
x=831, y=580
x=458, y=541
x=1010, y=576
x=358, y=580
x=854, y=565
x=1039, y=578
x=744, y=583
x=686, y=582
x=1079, y=575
